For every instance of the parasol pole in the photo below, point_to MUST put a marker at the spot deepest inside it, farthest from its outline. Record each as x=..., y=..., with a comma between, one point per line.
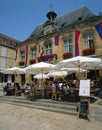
x=86, y=72
x=79, y=68
x=95, y=72
x=42, y=83
x=15, y=82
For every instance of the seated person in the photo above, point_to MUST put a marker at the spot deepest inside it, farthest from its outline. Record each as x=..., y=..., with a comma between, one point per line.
x=5, y=89
x=65, y=91
x=27, y=89
x=18, y=89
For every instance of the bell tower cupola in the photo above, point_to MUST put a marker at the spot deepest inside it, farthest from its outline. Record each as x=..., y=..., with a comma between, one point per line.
x=51, y=15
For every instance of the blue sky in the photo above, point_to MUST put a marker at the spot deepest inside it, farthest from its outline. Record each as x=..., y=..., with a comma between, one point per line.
x=18, y=18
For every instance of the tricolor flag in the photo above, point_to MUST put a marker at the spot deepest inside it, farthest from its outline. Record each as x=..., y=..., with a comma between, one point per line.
x=99, y=29
x=77, y=34
x=41, y=52
x=26, y=54
x=56, y=40
x=16, y=53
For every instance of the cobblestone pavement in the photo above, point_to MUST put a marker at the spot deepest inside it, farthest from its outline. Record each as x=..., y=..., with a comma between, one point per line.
x=22, y=118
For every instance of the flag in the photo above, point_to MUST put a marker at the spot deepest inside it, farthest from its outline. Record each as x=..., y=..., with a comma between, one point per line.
x=77, y=34
x=16, y=53
x=41, y=52
x=26, y=54
x=99, y=29
x=56, y=40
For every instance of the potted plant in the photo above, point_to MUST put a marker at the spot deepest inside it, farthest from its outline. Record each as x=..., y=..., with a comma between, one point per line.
x=89, y=51
x=67, y=55
x=48, y=57
x=21, y=63
x=32, y=61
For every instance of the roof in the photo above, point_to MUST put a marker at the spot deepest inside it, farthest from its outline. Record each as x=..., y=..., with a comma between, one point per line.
x=14, y=41
x=76, y=16
x=7, y=37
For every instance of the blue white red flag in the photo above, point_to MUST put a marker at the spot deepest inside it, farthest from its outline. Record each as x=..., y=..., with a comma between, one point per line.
x=56, y=40
x=99, y=29
x=41, y=52
x=16, y=53
x=77, y=35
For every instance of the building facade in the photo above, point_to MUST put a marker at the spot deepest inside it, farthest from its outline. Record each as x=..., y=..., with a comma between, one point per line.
x=7, y=55
x=76, y=33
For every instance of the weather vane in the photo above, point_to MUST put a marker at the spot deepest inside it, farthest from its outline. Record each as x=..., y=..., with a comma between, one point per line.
x=51, y=6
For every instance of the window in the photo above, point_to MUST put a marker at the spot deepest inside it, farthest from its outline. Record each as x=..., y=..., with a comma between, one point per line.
x=33, y=53
x=48, y=49
x=68, y=45
x=22, y=55
x=3, y=57
x=3, y=62
x=3, y=51
x=88, y=41
x=47, y=28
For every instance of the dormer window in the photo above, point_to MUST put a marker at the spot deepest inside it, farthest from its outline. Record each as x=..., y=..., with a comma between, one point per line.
x=80, y=19
x=63, y=24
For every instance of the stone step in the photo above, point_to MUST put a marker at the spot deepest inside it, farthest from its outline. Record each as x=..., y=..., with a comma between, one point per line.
x=22, y=98
x=43, y=104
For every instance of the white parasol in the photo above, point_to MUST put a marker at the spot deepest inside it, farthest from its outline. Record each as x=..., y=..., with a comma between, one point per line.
x=80, y=62
x=73, y=70
x=41, y=67
x=39, y=76
x=57, y=73
x=13, y=70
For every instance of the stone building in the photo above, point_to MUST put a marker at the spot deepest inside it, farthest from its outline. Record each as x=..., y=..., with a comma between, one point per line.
x=78, y=32
x=7, y=55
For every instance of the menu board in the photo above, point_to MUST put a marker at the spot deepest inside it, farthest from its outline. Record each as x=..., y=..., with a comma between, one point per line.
x=84, y=88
